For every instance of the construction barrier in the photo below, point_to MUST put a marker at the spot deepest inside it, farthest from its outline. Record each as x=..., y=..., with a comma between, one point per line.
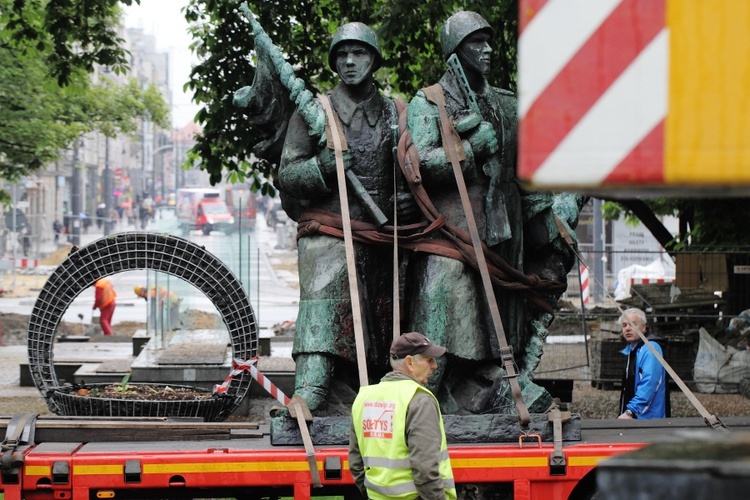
x=10, y=263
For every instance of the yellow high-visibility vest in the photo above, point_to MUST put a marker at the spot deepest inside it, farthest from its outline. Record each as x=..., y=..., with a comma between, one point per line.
x=379, y=415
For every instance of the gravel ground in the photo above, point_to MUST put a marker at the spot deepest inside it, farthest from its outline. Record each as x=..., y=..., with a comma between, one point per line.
x=31, y=402
x=596, y=403
x=588, y=401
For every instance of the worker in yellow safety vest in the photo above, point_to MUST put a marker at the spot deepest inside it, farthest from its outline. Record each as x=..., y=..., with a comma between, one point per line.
x=382, y=462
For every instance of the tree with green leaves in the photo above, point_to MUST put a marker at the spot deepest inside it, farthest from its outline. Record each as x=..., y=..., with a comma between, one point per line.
x=39, y=118
x=79, y=34
x=75, y=34
x=69, y=35
x=408, y=30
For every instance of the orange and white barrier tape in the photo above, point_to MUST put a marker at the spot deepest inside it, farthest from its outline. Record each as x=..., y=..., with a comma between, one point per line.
x=239, y=366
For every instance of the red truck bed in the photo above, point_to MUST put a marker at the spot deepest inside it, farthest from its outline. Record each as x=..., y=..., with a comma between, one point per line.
x=103, y=458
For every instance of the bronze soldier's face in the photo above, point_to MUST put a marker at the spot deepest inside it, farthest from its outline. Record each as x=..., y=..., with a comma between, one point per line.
x=353, y=62
x=475, y=52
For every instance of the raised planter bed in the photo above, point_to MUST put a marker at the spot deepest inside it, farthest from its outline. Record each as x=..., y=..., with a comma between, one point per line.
x=126, y=252
x=141, y=400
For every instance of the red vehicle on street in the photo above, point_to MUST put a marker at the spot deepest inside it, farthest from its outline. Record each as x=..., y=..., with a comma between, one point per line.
x=242, y=205
x=203, y=209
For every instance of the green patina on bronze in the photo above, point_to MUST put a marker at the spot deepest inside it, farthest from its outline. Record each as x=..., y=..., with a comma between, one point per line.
x=274, y=94
x=441, y=296
x=448, y=302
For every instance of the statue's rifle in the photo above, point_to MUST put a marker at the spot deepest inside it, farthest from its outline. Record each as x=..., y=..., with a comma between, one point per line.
x=497, y=219
x=506, y=352
x=302, y=98
x=454, y=66
x=313, y=116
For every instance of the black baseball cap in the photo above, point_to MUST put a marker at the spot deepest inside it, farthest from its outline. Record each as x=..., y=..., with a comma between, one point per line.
x=413, y=343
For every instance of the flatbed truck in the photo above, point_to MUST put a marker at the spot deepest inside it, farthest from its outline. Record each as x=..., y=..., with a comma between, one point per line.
x=78, y=459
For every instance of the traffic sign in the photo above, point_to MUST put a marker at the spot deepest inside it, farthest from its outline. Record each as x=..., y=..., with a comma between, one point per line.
x=20, y=220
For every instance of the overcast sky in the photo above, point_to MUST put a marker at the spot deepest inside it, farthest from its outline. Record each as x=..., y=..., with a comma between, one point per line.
x=163, y=19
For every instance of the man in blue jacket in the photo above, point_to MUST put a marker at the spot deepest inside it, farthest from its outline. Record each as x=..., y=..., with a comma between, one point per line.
x=644, y=389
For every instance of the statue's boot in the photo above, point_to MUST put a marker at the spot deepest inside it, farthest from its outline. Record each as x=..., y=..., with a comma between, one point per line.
x=313, y=378
x=536, y=397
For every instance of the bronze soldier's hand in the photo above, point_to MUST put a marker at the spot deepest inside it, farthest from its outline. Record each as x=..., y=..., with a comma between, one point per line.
x=327, y=161
x=483, y=140
x=468, y=122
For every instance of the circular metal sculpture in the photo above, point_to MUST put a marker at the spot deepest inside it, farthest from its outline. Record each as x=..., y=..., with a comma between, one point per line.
x=127, y=252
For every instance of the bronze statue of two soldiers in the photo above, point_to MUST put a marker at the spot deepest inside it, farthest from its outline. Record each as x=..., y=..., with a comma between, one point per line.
x=479, y=261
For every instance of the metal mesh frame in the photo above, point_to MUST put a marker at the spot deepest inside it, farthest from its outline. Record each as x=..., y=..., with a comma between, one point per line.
x=210, y=409
x=133, y=251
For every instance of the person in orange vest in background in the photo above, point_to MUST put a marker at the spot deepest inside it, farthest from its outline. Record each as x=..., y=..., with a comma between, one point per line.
x=165, y=297
x=105, y=302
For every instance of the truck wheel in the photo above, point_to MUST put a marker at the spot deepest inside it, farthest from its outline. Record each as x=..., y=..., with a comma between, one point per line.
x=206, y=229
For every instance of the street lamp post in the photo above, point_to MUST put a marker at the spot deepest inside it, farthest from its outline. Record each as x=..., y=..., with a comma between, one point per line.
x=76, y=198
x=176, y=167
x=107, y=188
x=162, y=149
x=163, y=181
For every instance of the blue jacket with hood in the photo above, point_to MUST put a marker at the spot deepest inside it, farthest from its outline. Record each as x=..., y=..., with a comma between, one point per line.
x=645, y=383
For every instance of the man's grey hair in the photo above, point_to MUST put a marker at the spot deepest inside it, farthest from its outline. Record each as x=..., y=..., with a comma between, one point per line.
x=397, y=364
x=634, y=311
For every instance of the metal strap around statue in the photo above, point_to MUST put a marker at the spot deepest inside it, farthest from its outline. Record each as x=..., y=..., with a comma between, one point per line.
x=400, y=108
x=435, y=94
x=359, y=337
x=18, y=433
x=298, y=409
x=558, y=463
x=456, y=243
x=396, y=301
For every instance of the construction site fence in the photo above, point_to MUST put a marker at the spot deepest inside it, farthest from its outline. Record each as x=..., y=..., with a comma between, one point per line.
x=725, y=273
x=614, y=280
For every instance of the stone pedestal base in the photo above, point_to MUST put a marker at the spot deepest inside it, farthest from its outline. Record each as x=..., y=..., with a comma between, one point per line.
x=458, y=429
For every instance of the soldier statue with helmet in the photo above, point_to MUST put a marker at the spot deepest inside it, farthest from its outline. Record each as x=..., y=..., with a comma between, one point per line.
x=324, y=345
x=478, y=131
x=457, y=155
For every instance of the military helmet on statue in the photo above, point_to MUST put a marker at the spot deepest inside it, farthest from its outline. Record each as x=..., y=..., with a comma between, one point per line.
x=459, y=26
x=355, y=32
